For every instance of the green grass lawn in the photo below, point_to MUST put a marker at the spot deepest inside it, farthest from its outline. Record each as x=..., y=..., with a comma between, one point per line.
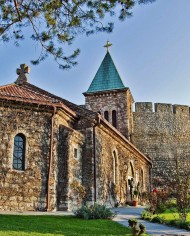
x=20, y=225
x=172, y=216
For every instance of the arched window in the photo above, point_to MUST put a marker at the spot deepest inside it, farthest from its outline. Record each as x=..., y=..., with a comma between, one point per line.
x=106, y=115
x=114, y=118
x=114, y=167
x=19, y=152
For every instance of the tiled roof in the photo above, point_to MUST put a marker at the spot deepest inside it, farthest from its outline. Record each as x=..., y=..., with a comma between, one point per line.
x=107, y=77
x=29, y=93
x=18, y=91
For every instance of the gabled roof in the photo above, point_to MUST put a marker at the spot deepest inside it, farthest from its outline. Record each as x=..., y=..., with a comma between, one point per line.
x=107, y=77
x=28, y=93
x=20, y=91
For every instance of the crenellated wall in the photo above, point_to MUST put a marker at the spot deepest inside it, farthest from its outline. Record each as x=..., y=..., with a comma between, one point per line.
x=162, y=107
x=162, y=134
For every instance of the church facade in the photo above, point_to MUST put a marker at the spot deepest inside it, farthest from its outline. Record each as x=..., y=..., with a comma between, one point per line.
x=56, y=155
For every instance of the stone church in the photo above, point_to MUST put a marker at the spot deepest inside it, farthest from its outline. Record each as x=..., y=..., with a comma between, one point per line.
x=56, y=155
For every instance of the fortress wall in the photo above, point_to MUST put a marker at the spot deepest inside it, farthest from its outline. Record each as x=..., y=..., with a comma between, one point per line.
x=164, y=135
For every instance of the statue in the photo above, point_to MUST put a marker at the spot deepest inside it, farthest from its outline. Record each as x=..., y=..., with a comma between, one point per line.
x=131, y=185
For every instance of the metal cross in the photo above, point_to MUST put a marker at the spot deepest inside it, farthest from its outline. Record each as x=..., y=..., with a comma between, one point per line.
x=22, y=73
x=107, y=45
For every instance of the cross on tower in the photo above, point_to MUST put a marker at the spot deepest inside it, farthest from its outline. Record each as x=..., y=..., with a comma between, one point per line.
x=22, y=73
x=107, y=45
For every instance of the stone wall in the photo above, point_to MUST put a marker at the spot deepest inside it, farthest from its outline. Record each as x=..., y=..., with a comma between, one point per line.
x=110, y=189
x=163, y=135
x=27, y=189
x=119, y=100
x=69, y=171
x=24, y=190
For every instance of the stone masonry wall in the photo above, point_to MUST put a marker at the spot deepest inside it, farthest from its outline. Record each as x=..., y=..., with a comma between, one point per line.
x=88, y=165
x=24, y=190
x=120, y=101
x=27, y=189
x=69, y=176
x=163, y=135
x=109, y=188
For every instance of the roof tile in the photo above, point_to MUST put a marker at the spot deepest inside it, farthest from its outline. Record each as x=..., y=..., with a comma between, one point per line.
x=107, y=77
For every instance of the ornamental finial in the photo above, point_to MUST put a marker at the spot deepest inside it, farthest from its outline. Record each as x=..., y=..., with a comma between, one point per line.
x=22, y=73
x=107, y=45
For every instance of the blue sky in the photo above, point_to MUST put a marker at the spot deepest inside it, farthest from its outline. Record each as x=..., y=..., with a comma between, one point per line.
x=151, y=51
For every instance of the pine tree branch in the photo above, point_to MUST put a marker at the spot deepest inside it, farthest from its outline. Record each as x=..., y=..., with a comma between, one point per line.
x=17, y=9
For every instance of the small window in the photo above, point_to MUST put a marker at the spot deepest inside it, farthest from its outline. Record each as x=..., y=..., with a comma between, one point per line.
x=114, y=167
x=114, y=118
x=75, y=153
x=106, y=115
x=141, y=179
x=19, y=152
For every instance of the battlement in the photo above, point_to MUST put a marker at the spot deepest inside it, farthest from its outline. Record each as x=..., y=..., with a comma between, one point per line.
x=147, y=107
x=143, y=107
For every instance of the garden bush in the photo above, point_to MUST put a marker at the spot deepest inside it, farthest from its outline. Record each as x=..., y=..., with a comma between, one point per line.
x=161, y=208
x=171, y=203
x=158, y=219
x=184, y=225
x=95, y=211
x=146, y=215
x=137, y=230
x=172, y=222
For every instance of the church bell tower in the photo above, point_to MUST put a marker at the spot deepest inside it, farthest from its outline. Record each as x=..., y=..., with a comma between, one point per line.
x=108, y=96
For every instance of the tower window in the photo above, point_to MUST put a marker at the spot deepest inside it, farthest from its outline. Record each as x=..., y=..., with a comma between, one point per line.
x=114, y=118
x=19, y=152
x=106, y=115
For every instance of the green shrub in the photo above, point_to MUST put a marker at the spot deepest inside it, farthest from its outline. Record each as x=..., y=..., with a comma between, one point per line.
x=95, y=211
x=173, y=222
x=171, y=203
x=146, y=215
x=136, y=229
x=132, y=222
x=184, y=225
x=142, y=228
x=157, y=219
x=161, y=208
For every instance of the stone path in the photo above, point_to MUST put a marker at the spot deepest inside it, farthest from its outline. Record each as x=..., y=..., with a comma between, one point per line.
x=37, y=213
x=123, y=214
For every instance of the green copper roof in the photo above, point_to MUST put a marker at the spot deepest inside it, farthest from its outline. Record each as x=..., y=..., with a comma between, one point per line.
x=107, y=77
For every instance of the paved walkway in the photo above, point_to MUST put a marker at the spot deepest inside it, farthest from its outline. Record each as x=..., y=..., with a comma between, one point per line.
x=37, y=213
x=123, y=214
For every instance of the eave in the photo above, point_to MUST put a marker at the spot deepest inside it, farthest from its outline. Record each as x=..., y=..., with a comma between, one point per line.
x=42, y=103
